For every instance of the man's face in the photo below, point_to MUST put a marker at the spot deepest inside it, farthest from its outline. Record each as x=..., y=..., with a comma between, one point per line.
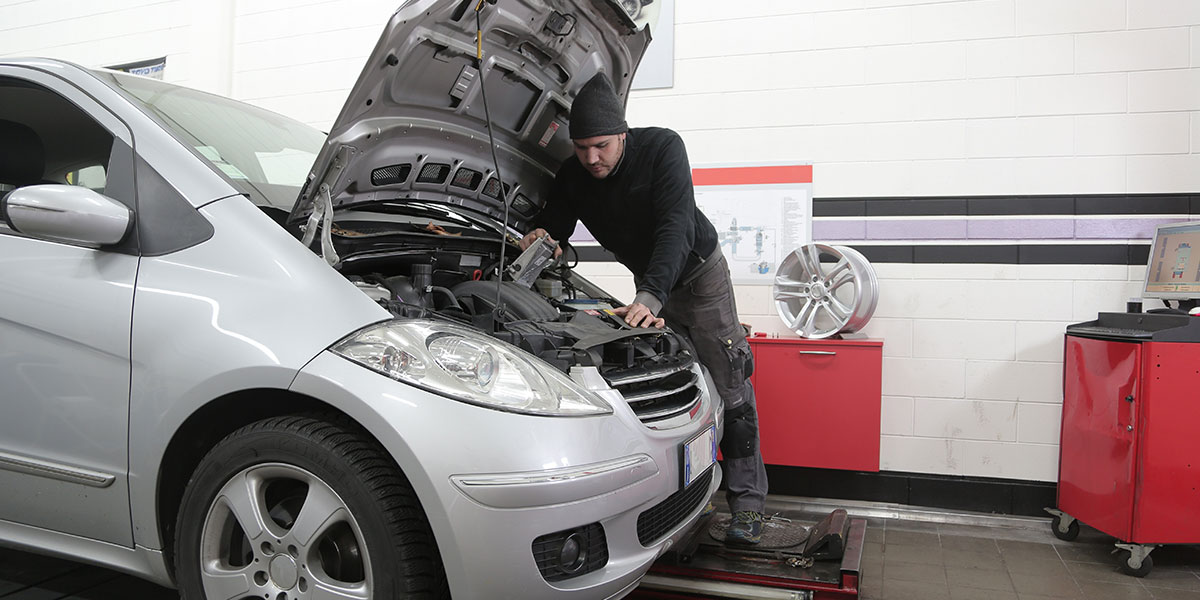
x=600, y=154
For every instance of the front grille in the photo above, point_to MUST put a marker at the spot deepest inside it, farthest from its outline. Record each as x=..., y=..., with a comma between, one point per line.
x=659, y=392
x=546, y=550
x=660, y=519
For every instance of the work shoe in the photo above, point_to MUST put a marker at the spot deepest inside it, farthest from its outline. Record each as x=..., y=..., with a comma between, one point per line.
x=745, y=528
x=708, y=510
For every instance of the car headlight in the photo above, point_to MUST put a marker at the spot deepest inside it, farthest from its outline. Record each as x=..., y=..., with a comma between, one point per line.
x=464, y=364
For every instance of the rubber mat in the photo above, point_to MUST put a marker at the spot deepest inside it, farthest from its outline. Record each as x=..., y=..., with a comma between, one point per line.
x=777, y=533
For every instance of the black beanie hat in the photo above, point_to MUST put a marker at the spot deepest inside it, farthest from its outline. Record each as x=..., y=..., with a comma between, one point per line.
x=597, y=110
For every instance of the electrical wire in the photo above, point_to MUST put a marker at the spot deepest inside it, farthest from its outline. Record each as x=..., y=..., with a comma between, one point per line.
x=487, y=116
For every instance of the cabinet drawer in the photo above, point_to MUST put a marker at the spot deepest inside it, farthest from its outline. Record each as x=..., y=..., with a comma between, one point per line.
x=819, y=402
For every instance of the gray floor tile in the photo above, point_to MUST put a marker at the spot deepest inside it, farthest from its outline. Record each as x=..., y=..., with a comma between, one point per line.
x=1172, y=594
x=912, y=538
x=1113, y=591
x=875, y=534
x=1093, y=553
x=911, y=554
x=1035, y=565
x=914, y=590
x=914, y=572
x=991, y=561
x=979, y=578
x=1172, y=577
x=1027, y=549
x=1097, y=572
x=1046, y=585
x=971, y=543
x=978, y=594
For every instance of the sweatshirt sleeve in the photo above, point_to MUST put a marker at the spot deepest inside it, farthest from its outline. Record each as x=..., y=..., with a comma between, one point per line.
x=673, y=208
x=557, y=217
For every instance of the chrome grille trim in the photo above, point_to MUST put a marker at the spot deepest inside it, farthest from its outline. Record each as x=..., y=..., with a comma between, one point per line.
x=647, y=376
x=659, y=394
x=669, y=412
x=652, y=394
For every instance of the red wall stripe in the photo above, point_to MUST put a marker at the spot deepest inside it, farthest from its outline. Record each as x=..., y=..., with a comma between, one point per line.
x=752, y=175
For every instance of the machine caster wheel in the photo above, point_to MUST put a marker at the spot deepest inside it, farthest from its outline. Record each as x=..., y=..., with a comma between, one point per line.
x=1125, y=561
x=1071, y=532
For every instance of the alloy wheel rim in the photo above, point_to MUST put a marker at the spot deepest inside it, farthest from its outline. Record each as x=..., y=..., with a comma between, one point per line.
x=277, y=532
x=817, y=299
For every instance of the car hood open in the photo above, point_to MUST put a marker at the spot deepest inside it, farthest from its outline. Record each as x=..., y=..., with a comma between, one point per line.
x=415, y=123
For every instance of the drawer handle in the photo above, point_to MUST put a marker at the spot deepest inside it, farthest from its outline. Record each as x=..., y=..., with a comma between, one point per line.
x=820, y=352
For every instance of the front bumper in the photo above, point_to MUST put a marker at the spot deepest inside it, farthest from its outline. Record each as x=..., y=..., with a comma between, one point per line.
x=492, y=482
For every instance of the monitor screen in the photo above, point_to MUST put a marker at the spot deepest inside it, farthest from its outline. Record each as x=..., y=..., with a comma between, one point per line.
x=1173, y=270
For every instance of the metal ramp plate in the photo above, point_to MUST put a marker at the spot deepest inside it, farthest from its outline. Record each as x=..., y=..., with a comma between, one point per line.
x=705, y=567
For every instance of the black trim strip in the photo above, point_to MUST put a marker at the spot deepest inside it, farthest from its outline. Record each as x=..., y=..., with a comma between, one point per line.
x=1086, y=204
x=1004, y=254
x=979, y=494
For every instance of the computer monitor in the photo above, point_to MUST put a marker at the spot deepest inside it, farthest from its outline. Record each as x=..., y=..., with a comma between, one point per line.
x=1173, y=271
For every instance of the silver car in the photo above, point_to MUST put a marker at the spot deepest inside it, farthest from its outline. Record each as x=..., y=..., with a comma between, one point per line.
x=249, y=360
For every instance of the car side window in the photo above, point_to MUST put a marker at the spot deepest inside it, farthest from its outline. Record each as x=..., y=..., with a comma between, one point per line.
x=45, y=138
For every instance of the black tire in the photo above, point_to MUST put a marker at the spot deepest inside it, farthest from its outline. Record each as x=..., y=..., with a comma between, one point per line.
x=1072, y=529
x=1123, y=558
x=373, y=538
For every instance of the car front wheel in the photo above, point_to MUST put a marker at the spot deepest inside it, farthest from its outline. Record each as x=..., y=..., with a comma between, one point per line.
x=294, y=508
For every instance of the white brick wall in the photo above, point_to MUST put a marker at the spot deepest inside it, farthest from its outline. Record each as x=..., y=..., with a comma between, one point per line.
x=885, y=97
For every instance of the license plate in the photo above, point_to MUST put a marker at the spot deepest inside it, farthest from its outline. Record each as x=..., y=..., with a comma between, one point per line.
x=699, y=454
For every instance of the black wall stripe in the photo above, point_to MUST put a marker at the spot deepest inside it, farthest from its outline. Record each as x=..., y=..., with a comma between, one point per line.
x=1086, y=204
x=1002, y=254
x=1025, y=254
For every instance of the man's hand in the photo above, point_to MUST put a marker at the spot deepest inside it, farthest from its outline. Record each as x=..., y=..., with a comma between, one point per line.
x=532, y=236
x=637, y=315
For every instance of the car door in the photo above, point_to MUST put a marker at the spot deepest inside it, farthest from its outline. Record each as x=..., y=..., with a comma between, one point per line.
x=65, y=313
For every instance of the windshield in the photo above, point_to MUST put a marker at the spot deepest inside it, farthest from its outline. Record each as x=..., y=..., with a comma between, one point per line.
x=265, y=155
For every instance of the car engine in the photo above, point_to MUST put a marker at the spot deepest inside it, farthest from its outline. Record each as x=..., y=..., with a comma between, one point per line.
x=561, y=318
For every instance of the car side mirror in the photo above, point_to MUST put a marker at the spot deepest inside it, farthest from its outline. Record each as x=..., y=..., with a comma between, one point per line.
x=66, y=213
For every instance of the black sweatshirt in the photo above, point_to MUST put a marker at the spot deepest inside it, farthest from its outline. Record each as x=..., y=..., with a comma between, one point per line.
x=644, y=212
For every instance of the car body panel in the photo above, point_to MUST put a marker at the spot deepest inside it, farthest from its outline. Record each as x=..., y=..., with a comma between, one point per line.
x=64, y=332
x=486, y=550
x=244, y=310
x=66, y=369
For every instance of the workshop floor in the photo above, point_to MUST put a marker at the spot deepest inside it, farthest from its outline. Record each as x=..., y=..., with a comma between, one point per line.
x=904, y=559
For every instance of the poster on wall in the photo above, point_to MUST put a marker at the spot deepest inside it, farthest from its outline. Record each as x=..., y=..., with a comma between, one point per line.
x=761, y=212
x=152, y=68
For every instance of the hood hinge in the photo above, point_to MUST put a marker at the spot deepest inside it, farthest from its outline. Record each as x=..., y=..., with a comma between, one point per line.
x=322, y=214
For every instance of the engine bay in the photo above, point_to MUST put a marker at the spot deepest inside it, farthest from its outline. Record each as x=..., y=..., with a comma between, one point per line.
x=440, y=268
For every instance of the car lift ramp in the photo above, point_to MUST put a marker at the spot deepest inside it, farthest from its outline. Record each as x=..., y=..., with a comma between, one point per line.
x=795, y=561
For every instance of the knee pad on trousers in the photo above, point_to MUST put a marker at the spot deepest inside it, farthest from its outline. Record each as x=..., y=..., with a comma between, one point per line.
x=741, y=432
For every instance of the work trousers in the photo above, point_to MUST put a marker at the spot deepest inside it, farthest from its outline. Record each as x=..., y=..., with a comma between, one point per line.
x=704, y=310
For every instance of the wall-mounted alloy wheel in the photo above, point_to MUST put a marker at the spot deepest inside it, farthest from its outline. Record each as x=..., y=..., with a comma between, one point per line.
x=823, y=290
x=292, y=508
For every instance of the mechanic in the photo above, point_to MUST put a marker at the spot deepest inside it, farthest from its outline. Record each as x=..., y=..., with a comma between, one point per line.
x=632, y=189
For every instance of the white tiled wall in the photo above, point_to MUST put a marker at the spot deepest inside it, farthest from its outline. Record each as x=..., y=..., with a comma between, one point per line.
x=885, y=97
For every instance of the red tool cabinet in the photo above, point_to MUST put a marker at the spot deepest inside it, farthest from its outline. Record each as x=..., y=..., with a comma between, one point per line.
x=1130, y=451
x=818, y=401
